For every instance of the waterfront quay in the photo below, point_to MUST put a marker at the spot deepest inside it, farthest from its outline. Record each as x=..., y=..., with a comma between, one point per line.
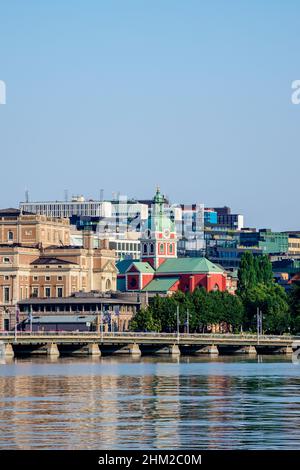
x=136, y=344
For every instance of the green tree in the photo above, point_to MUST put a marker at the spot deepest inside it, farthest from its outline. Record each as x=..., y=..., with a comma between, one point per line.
x=144, y=321
x=264, y=271
x=247, y=273
x=271, y=300
x=294, y=302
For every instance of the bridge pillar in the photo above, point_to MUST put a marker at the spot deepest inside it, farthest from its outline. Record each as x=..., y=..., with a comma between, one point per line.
x=174, y=350
x=7, y=350
x=211, y=349
x=251, y=350
x=131, y=348
x=94, y=350
x=52, y=350
x=285, y=350
x=134, y=349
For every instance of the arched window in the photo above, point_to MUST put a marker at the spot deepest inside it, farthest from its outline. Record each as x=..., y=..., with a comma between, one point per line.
x=161, y=248
x=133, y=283
x=108, y=284
x=145, y=249
x=216, y=287
x=10, y=236
x=171, y=248
x=151, y=248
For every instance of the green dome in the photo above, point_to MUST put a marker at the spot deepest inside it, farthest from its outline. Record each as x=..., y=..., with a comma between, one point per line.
x=158, y=198
x=159, y=221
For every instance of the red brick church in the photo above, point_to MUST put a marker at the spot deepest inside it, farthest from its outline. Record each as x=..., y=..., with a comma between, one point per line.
x=159, y=270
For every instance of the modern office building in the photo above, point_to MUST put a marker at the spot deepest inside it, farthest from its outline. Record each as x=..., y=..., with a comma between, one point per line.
x=266, y=240
x=78, y=206
x=126, y=245
x=190, y=231
x=210, y=217
x=294, y=243
x=225, y=218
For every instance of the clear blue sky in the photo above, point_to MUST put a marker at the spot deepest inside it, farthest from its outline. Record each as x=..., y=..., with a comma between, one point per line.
x=124, y=95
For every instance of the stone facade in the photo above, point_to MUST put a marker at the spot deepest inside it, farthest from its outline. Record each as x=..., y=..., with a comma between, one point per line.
x=36, y=260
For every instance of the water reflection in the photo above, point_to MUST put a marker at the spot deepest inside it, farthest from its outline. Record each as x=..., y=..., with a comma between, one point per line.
x=120, y=403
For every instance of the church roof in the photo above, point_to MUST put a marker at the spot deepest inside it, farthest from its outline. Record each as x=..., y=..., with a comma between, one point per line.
x=162, y=284
x=188, y=265
x=123, y=265
x=142, y=267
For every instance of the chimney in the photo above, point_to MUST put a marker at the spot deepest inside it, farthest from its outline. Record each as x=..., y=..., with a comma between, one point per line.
x=88, y=240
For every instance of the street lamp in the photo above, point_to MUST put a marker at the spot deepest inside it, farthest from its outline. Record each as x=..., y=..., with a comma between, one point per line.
x=259, y=318
x=178, y=323
x=187, y=322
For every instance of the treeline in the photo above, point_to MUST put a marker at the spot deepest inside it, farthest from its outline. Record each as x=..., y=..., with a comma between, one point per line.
x=203, y=311
x=199, y=311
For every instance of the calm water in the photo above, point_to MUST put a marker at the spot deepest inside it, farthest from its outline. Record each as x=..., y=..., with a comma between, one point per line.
x=146, y=403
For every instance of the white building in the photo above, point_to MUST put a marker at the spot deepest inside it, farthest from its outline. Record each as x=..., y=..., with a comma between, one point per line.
x=77, y=206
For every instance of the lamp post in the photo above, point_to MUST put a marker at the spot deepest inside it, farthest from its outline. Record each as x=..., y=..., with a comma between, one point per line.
x=259, y=318
x=187, y=322
x=178, y=323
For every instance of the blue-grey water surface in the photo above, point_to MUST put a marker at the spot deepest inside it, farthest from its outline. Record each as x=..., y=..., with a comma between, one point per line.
x=150, y=403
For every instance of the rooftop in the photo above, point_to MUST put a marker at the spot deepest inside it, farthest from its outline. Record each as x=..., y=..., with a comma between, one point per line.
x=142, y=267
x=62, y=319
x=160, y=284
x=188, y=265
x=53, y=261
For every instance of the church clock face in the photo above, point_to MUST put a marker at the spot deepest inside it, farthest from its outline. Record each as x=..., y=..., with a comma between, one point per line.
x=166, y=233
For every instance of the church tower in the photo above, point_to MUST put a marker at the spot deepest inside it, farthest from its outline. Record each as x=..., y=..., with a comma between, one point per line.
x=158, y=241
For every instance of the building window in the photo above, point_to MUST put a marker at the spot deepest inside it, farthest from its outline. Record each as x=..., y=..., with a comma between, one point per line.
x=47, y=278
x=35, y=278
x=10, y=236
x=161, y=248
x=6, y=260
x=6, y=278
x=216, y=287
x=60, y=292
x=133, y=283
x=107, y=284
x=35, y=292
x=171, y=249
x=59, y=278
x=6, y=295
x=145, y=249
x=151, y=248
x=47, y=291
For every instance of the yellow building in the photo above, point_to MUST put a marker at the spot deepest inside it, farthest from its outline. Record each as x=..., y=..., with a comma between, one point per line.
x=294, y=244
x=36, y=260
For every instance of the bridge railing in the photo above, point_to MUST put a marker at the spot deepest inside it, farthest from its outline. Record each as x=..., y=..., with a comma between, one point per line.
x=140, y=335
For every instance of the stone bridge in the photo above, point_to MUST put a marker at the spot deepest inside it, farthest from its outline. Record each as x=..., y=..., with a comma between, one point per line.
x=95, y=344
